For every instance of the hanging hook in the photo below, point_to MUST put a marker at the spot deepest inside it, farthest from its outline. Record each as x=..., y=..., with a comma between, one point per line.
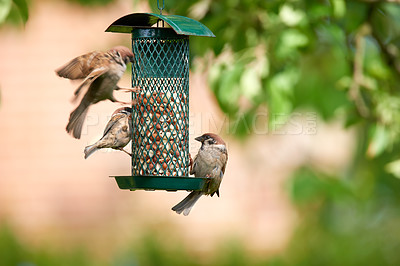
x=161, y=8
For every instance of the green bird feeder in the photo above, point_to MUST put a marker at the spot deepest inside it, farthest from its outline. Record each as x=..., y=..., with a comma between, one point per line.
x=160, y=117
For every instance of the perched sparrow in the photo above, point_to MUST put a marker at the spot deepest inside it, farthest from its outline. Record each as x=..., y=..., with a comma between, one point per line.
x=210, y=162
x=101, y=73
x=117, y=133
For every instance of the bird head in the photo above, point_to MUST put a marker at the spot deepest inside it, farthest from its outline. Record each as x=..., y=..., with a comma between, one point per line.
x=124, y=52
x=125, y=110
x=210, y=139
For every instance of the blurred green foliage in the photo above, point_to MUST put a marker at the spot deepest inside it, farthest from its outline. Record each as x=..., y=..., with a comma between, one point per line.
x=92, y=2
x=335, y=57
x=14, y=12
x=340, y=59
x=346, y=222
x=14, y=252
x=355, y=232
x=148, y=250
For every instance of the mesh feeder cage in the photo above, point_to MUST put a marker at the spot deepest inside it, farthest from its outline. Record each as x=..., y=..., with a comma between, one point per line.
x=160, y=118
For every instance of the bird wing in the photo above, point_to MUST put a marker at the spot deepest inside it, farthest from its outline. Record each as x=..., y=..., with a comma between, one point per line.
x=90, y=78
x=194, y=166
x=114, y=119
x=225, y=160
x=81, y=66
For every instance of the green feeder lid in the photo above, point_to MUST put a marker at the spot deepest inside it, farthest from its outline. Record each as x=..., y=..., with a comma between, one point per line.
x=181, y=25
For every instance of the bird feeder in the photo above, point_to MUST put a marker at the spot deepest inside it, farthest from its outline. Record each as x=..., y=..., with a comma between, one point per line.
x=160, y=117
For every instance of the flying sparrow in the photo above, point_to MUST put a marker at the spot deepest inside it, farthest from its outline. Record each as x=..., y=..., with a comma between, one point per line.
x=210, y=162
x=101, y=72
x=117, y=133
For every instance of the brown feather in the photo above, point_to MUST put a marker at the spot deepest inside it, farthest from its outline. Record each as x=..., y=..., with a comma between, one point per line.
x=210, y=162
x=101, y=73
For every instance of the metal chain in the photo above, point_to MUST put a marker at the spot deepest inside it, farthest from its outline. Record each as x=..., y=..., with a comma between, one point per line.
x=161, y=8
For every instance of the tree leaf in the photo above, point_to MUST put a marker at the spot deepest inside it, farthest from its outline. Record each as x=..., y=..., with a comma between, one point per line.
x=290, y=16
x=378, y=141
x=250, y=83
x=393, y=168
x=280, y=91
x=339, y=8
x=23, y=9
x=5, y=7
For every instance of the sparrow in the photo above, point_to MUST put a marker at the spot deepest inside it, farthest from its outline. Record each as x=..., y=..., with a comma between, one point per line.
x=100, y=71
x=210, y=162
x=117, y=133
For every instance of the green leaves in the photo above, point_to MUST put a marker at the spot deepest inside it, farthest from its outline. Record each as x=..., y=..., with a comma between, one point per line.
x=92, y=2
x=280, y=94
x=226, y=87
x=14, y=11
x=23, y=10
x=308, y=187
x=338, y=58
x=379, y=140
x=341, y=60
x=250, y=83
x=339, y=8
x=290, y=16
x=5, y=7
x=289, y=42
x=393, y=168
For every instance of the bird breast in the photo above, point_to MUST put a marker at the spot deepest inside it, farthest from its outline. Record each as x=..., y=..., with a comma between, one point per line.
x=209, y=162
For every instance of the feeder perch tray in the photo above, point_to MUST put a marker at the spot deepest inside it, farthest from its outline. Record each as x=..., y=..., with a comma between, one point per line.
x=169, y=183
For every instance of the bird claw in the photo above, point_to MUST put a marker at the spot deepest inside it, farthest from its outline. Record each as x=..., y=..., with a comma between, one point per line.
x=130, y=154
x=134, y=89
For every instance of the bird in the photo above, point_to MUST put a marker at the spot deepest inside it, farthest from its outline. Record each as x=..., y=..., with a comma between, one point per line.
x=100, y=71
x=117, y=133
x=210, y=162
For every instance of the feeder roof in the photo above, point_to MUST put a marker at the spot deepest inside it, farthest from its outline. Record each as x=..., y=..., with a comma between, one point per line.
x=181, y=25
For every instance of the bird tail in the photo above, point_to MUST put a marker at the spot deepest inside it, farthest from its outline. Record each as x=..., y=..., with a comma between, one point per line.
x=76, y=119
x=187, y=203
x=90, y=149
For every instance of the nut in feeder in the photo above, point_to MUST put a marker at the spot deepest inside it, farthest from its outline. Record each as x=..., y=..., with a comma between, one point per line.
x=160, y=124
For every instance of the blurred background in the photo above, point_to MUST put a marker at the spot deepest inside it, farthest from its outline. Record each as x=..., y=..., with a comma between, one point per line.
x=305, y=93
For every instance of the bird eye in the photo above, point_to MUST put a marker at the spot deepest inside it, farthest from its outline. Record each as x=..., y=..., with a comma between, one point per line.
x=211, y=141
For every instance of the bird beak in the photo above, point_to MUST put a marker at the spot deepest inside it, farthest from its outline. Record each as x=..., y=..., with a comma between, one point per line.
x=201, y=138
x=131, y=59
